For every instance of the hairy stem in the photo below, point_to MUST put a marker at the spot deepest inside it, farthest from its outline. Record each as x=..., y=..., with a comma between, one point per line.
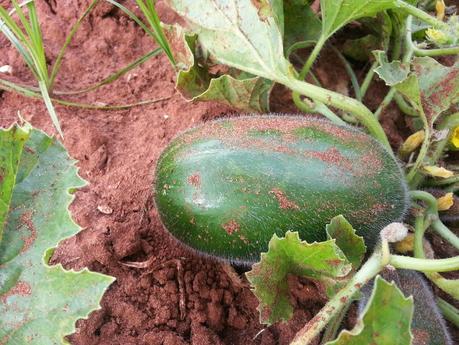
x=425, y=265
x=368, y=79
x=335, y=305
x=331, y=98
x=420, y=14
x=432, y=212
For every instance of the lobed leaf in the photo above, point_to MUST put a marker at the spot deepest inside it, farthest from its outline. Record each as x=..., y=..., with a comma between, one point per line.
x=393, y=72
x=386, y=319
x=321, y=261
x=431, y=87
x=351, y=244
x=195, y=82
x=39, y=303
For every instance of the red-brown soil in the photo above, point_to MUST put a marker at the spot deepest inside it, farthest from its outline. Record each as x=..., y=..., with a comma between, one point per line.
x=180, y=298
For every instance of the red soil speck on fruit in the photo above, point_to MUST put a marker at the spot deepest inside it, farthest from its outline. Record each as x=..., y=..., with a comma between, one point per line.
x=332, y=156
x=231, y=227
x=283, y=201
x=21, y=289
x=195, y=180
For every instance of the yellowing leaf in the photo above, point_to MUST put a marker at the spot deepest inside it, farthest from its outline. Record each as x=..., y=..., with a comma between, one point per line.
x=438, y=171
x=445, y=202
x=412, y=143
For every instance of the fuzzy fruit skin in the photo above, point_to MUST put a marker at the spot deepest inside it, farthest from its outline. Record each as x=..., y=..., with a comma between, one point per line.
x=225, y=187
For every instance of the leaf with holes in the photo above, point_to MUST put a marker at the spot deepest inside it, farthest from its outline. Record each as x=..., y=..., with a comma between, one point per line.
x=39, y=303
x=318, y=261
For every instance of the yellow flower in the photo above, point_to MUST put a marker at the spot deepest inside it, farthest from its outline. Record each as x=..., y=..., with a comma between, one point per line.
x=438, y=171
x=437, y=36
x=440, y=8
x=412, y=143
x=445, y=202
x=406, y=245
x=454, y=139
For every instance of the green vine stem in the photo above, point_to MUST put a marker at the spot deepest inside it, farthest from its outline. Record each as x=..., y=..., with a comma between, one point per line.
x=368, y=79
x=425, y=265
x=432, y=213
x=435, y=52
x=333, y=327
x=404, y=106
x=351, y=105
x=312, y=57
x=450, y=312
x=442, y=283
x=377, y=261
x=350, y=73
x=418, y=13
x=406, y=59
x=336, y=304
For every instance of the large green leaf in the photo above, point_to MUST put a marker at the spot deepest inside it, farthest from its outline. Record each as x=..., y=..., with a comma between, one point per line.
x=241, y=33
x=386, y=319
x=337, y=13
x=195, y=82
x=39, y=304
x=431, y=87
x=289, y=255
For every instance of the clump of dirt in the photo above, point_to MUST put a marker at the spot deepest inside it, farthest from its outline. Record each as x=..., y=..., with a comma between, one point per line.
x=179, y=297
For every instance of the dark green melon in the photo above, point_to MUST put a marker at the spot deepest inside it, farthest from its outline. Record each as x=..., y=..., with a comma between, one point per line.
x=224, y=188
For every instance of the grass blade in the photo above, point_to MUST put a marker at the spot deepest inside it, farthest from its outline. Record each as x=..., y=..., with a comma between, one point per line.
x=26, y=91
x=50, y=107
x=17, y=38
x=114, y=76
x=149, y=11
x=152, y=17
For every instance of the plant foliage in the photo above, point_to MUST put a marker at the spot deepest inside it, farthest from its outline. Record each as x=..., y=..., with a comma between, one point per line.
x=39, y=302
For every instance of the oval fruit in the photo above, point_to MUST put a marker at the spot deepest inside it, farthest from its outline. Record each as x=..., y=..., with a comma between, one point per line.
x=224, y=188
